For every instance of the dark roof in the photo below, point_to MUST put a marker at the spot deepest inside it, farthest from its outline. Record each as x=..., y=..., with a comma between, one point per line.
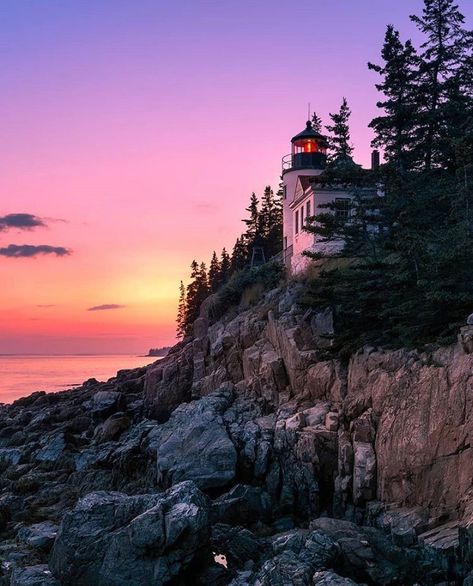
x=344, y=161
x=309, y=132
x=305, y=181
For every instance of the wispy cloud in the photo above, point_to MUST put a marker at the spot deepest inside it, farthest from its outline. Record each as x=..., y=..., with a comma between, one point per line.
x=204, y=206
x=105, y=307
x=45, y=305
x=30, y=250
x=21, y=222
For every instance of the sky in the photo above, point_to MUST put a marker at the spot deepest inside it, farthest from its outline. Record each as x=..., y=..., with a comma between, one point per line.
x=133, y=134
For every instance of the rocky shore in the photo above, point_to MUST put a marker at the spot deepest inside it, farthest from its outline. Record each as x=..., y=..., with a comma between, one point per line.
x=247, y=456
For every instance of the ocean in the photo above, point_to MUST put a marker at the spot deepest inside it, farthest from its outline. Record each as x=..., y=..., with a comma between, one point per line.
x=22, y=375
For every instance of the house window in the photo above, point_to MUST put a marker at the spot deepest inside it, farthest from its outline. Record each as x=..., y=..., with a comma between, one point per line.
x=342, y=209
x=297, y=221
x=307, y=210
x=285, y=242
x=284, y=191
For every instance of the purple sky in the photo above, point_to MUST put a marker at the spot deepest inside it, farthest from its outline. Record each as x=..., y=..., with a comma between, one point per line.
x=144, y=126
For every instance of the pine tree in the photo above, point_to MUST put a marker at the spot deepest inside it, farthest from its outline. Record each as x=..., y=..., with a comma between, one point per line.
x=197, y=291
x=446, y=49
x=214, y=276
x=181, y=312
x=239, y=259
x=394, y=128
x=406, y=280
x=271, y=222
x=225, y=266
x=253, y=222
x=316, y=123
x=340, y=133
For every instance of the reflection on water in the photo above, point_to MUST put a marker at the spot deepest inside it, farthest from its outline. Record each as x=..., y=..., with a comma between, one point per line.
x=22, y=375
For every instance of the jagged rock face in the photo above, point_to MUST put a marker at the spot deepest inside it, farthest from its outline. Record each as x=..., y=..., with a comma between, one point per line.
x=294, y=449
x=406, y=424
x=143, y=540
x=422, y=408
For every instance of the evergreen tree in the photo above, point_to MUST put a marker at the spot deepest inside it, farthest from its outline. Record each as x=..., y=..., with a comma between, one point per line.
x=239, y=259
x=271, y=222
x=394, y=128
x=340, y=133
x=181, y=312
x=214, y=273
x=252, y=223
x=197, y=291
x=316, y=123
x=405, y=278
x=445, y=52
x=225, y=266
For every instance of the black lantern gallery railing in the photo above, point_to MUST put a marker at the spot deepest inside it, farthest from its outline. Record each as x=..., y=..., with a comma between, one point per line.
x=293, y=161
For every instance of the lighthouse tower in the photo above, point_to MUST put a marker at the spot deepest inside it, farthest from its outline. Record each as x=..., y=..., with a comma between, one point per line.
x=308, y=157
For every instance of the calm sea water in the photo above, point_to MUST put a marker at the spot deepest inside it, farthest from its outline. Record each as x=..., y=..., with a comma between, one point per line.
x=22, y=375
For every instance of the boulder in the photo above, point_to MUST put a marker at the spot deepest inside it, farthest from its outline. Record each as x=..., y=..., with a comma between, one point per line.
x=298, y=554
x=52, y=448
x=38, y=536
x=194, y=444
x=105, y=402
x=111, y=539
x=112, y=427
x=168, y=382
x=367, y=554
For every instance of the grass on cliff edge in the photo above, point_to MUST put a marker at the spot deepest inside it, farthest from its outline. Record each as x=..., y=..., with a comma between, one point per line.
x=241, y=285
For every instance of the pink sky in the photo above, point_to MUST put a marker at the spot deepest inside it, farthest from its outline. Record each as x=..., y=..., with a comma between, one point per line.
x=138, y=130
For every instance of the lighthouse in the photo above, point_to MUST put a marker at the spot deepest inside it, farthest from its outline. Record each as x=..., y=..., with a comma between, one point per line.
x=306, y=195
x=308, y=158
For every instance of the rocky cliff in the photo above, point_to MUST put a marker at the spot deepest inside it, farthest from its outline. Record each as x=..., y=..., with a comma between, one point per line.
x=249, y=455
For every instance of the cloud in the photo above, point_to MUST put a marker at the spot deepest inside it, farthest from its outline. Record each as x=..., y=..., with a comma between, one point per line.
x=21, y=222
x=29, y=250
x=46, y=305
x=105, y=307
x=205, y=207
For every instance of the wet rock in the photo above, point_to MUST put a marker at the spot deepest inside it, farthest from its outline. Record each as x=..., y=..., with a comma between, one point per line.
x=111, y=539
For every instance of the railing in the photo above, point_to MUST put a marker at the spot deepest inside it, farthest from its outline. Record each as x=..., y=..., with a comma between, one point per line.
x=283, y=257
x=315, y=160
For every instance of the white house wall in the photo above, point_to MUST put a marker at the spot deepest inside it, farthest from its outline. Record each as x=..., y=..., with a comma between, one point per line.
x=304, y=240
x=289, y=180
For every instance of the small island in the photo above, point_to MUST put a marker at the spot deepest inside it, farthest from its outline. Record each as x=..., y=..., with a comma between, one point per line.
x=161, y=352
